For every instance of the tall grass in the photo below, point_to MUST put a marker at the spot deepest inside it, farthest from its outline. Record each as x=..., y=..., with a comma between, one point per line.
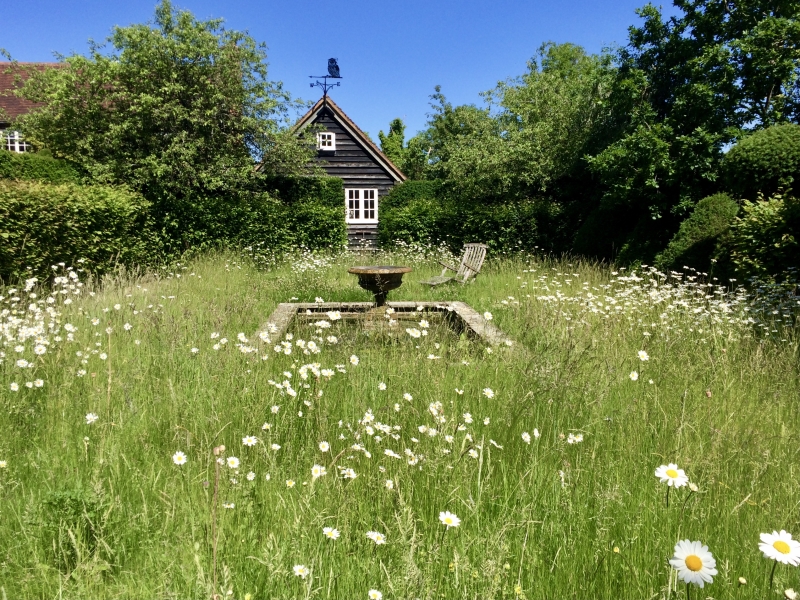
x=101, y=510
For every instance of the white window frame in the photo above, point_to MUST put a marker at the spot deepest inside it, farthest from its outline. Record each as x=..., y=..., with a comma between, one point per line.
x=326, y=141
x=13, y=142
x=361, y=206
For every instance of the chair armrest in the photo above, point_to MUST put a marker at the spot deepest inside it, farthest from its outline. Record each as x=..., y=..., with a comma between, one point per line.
x=446, y=266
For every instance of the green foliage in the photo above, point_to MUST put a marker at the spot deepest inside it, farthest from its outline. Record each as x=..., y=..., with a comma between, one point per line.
x=698, y=235
x=426, y=212
x=765, y=240
x=325, y=191
x=37, y=166
x=69, y=526
x=44, y=224
x=177, y=110
x=764, y=162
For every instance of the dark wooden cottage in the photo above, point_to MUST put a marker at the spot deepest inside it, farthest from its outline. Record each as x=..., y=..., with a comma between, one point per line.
x=344, y=151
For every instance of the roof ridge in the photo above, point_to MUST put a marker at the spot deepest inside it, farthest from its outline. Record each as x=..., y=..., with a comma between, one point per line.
x=364, y=138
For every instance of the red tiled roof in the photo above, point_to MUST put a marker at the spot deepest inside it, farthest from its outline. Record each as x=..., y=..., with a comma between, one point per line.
x=12, y=74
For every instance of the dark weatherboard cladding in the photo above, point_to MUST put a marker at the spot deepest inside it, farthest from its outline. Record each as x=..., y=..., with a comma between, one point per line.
x=350, y=155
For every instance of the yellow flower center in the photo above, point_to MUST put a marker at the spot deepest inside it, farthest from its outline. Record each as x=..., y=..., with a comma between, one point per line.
x=693, y=563
x=781, y=546
x=672, y=473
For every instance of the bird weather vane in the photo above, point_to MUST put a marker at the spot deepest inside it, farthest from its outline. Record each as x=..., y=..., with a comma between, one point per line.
x=333, y=73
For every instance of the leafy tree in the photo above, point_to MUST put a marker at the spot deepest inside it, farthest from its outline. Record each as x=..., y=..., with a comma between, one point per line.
x=392, y=143
x=179, y=109
x=688, y=86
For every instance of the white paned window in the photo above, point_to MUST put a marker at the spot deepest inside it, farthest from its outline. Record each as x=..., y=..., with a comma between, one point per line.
x=361, y=205
x=12, y=141
x=326, y=141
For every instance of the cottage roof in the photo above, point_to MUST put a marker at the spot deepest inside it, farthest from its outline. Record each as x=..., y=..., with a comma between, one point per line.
x=353, y=130
x=12, y=75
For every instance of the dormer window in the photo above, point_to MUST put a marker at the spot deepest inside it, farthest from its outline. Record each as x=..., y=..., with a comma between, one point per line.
x=326, y=141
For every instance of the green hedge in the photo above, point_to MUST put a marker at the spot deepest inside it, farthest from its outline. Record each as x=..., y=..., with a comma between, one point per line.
x=764, y=162
x=36, y=166
x=43, y=224
x=324, y=191
x=699, y=234
x=424, y=211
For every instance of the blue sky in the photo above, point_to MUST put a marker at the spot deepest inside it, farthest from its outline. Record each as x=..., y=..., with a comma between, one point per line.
x=391, y=54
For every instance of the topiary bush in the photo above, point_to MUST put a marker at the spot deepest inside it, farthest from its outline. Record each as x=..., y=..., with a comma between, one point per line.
x=764, y=162
x=43, y=224
x=694, y=243
x=37, y=166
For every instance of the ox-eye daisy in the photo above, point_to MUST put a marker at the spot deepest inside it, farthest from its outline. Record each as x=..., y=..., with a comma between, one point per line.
x=694, y=563
x=301, y=571
x=376, y=537
x=374, y=595
x=449, y=519
x=672, y=475
x=780, y=547
x=330, y=533
x=179, y=458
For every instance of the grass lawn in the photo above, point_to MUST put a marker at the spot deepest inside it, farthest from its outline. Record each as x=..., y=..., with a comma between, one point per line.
x=340, y=456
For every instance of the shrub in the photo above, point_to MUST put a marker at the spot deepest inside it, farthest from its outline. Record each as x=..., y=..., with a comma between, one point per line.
x=517, y=224
x=36, y=166
x=694, y=243
x=765, y=241
x=43, y=224
x=764, y=162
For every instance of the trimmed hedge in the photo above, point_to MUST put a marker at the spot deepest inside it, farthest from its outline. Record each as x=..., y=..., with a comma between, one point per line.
x=698, y=235
x=764, y=162
x=43, y=224
x=423, y=211
x=36, y=166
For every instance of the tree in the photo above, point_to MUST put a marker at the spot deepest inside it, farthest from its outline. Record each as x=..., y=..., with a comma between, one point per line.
x=178, y=110
x=687, y=87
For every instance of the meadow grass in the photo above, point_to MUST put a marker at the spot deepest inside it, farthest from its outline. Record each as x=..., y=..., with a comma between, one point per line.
x=101, y=509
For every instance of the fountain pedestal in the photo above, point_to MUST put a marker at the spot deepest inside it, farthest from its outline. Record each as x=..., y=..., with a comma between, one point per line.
x=379, y=280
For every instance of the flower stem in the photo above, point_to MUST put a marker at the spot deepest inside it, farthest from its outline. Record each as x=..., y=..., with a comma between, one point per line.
x=687, y=591
x=668, y=489
x=772, y=574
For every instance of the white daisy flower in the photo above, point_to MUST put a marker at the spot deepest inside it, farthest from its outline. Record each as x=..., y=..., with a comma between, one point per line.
x=301, y=571
x=376, y=537
x=643, y=356
x=780, y=547
x=233, y=462
x=374, y=595
x=324, y=446
x=331, y=533
x=91, y=418
x=449, y=519
x=318, y=471
x=694, y=563
x=672, y=475
x=179, y=458
x=249, y=440
x=634, y=376
x=526, y=437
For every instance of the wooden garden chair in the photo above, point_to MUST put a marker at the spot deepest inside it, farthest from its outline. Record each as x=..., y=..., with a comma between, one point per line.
x=471, y=263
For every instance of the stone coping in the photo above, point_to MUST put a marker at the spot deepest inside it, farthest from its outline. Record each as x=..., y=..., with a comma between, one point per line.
x=460, y=315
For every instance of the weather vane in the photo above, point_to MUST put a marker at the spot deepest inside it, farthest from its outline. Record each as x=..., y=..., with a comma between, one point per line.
x=333, y=73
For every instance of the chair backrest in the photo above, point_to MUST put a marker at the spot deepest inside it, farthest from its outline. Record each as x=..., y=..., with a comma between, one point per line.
x=471, y=261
